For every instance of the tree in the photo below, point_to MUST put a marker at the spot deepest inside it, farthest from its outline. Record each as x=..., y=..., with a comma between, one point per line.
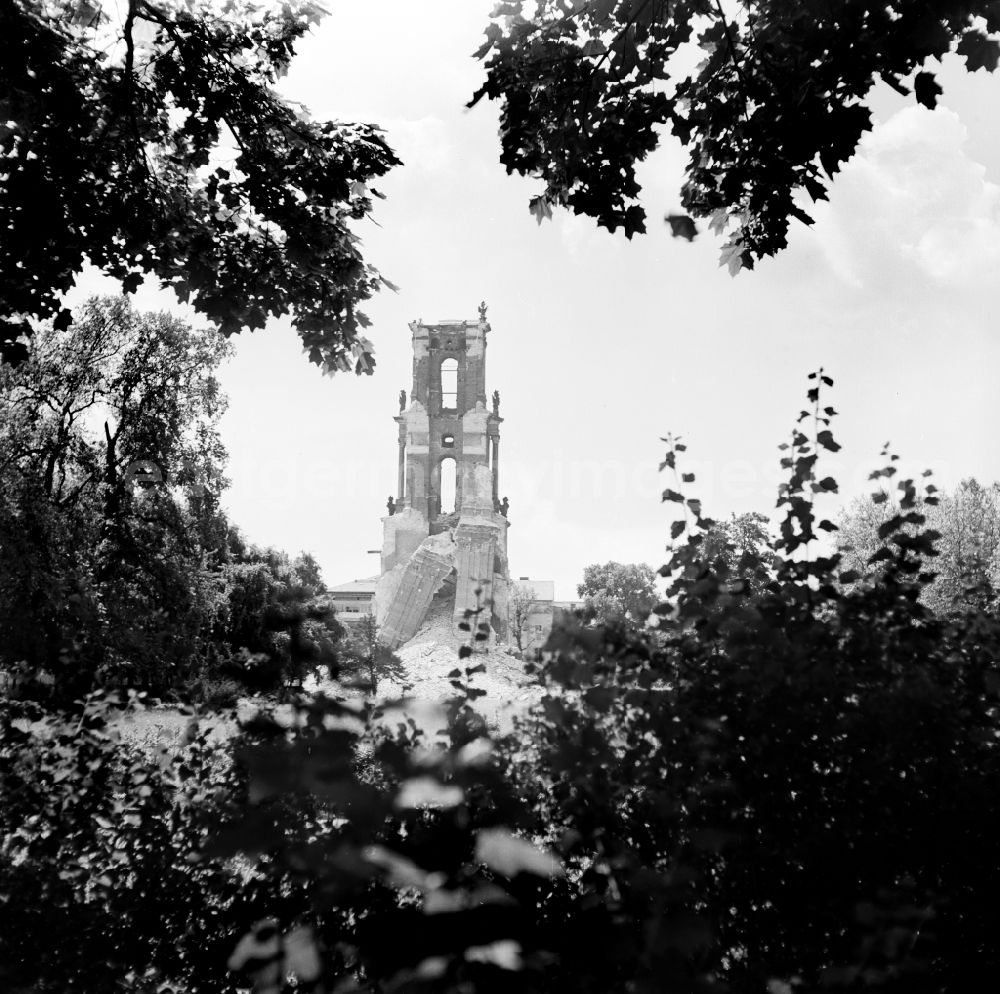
x=275, y=627
x=364, y=654
x=110, y=475
x=155, y=144
x=519, y=606
x=966, y=565
x=117, y=565
x=768, y=115
x=617, y=590
x=740, y=547
x=782, y=788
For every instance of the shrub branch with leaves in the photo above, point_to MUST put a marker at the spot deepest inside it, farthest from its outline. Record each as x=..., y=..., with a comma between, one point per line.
x=770, y=112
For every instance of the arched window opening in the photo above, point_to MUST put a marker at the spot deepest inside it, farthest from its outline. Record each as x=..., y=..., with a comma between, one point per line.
x=449, y=385
x=448, y=442
x=449, y=485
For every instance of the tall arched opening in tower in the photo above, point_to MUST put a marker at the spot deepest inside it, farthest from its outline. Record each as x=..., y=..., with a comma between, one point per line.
x=449, y=485
x=449, y=385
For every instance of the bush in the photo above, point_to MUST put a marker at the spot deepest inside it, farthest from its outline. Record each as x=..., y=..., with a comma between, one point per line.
x=791, y=785
x=221, y=694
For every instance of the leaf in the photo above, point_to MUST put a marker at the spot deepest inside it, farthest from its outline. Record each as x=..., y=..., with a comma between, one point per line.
x=815, y=188
x=673, y=495
x=735, y=257
x=427, y=792
x=682, y=226
x=493, y=34
x=719, y=221
x=509, y=855
x=600, y=698
x=475, y=753
x=261, y=943
x=677, y=529
x=505, y=954
x=979, y=51
x=540, y=208
x=888, y=527
x=400, y=871
x=301, y=954
x=825, y=438
x=926, y=89
x=634, y=221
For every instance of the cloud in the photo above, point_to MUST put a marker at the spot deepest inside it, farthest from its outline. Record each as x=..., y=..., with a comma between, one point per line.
x=425, y=144
x=912, y=209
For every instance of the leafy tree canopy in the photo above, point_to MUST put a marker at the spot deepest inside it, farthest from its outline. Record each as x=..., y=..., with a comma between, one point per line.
x=110, y=475
x=618, y=590
x=520, y=600
x=155, y=144
x=117, y=564
x=740, y=546
x=966, y=569
x=768, y=115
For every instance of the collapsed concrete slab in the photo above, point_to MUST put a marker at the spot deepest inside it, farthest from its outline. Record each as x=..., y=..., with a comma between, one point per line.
x=406, y=591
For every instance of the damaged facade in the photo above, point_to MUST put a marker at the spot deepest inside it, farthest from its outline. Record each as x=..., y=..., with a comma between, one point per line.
x=446, y=523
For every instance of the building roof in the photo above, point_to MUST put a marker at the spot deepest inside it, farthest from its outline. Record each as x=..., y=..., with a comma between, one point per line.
x=541, y=590
x=366, y=586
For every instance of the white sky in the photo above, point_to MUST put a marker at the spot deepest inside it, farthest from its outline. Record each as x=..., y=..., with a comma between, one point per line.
x=600, y=346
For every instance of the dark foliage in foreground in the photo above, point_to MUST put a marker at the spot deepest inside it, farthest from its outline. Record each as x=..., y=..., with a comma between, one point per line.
x=789, y=785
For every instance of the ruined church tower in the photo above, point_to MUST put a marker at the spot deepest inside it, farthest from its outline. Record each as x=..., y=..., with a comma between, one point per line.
x=446, y=524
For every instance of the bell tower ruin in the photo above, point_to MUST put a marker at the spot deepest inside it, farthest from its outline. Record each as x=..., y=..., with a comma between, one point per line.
x=446, y=522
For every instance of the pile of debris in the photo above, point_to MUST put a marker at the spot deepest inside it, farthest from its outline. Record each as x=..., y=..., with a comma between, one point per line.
x=432, y=654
